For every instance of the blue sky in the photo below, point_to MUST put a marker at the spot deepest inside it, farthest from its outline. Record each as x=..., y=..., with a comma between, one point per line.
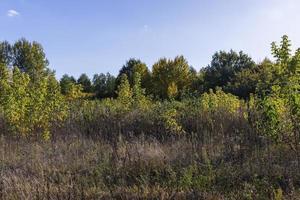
x=95, y=36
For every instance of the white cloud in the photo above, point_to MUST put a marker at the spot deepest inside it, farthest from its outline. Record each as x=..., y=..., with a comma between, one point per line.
x=12, y=13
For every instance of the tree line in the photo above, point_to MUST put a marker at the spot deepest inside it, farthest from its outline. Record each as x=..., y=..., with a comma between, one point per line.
x=233, y=72
x=32, y=99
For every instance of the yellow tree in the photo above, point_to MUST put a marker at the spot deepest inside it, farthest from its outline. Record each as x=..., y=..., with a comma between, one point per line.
x=125, y=93
x=30, y=109
x=171, y=78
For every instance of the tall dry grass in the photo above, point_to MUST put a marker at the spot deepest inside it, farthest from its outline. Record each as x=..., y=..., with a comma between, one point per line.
x=74, y=167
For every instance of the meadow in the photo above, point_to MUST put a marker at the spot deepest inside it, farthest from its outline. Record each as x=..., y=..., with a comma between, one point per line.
x=230, y=131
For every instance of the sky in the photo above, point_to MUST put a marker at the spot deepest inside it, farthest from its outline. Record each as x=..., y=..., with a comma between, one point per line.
x=99, y=36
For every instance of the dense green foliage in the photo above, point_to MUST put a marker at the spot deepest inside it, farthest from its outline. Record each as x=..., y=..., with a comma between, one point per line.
x=28, y=57
x=236, y=123
x=85, y=82
x=133, y=66
x=104, y=85
x=66, y=83
x=227, y=70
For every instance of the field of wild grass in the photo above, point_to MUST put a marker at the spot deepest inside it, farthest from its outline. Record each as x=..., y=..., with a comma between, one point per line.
x=79, y=167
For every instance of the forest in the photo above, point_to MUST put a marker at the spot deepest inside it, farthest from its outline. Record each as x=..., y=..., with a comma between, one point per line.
x=228, y=131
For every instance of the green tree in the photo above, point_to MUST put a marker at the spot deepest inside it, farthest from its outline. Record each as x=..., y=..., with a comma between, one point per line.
x=287, y=69
x=133, y=66
x=171, y=78
x=227, y=71
x=30, y=58
x=251, y=80
x=66, y=83
x=104, y=85
x=5, y=53
x=280, y=107
x=266, y=78
x=85, y=81
x=284, y=73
